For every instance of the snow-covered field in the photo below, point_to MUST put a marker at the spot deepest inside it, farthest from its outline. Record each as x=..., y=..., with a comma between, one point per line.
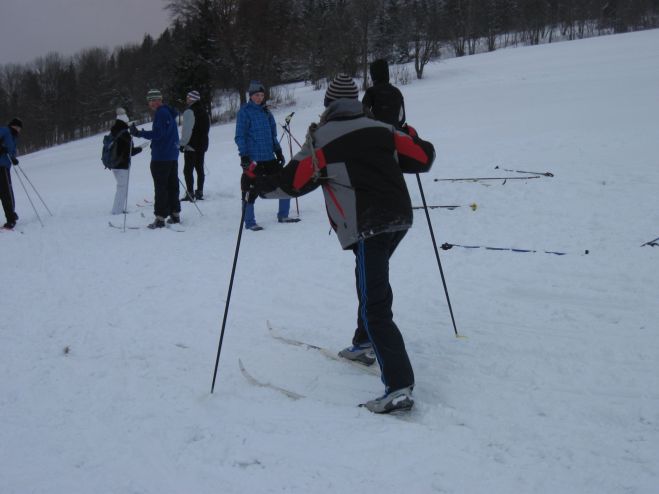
x=109, y=339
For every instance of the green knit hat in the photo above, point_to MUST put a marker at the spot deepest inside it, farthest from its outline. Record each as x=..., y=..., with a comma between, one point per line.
x=153, y=94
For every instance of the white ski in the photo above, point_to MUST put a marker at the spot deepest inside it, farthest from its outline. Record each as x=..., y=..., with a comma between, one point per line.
x=252, y=380
x=372, y=369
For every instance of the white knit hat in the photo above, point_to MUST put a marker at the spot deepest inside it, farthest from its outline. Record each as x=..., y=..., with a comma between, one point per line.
x=121, y=115
x=193, y=96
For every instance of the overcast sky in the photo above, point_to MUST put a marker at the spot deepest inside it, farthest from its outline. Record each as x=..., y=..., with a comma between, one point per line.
x=32, y=28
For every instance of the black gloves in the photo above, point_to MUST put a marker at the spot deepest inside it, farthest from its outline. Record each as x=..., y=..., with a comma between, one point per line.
x=3, y=150
x=134, y=130
x=280, y=158
x=14, y=160
x=181, y=148
x=245, y=161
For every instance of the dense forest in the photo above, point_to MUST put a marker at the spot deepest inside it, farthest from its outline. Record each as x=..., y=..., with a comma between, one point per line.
x=217, y=46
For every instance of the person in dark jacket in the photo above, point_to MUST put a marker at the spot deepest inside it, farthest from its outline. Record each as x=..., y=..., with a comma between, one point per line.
x=359, y=163
x=164, y=159
x=383, y=100
x=194, y=144
x=8, y=137
x=125, y=150
x=256, y=138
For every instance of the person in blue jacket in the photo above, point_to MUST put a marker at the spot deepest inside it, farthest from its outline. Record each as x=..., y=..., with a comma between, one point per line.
x=256, y=137
x=8, y=138
x=164, y=159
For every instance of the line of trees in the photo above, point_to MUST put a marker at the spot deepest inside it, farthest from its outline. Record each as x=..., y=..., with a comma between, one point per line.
x=216, y=45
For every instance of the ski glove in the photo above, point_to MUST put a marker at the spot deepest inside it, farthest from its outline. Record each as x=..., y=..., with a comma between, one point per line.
x=134, y=131
x=14, y=160
x=3, y=150
x=280, y=158
x=249, y=170
x=245, y=161
x=410, y=131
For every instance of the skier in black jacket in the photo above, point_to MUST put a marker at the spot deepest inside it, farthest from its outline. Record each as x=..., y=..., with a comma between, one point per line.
x=359, y=163
x=194, y=144
x=383, y=100
x=125, y=150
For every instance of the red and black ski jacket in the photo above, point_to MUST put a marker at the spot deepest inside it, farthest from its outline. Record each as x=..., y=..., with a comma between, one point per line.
x=359, y=162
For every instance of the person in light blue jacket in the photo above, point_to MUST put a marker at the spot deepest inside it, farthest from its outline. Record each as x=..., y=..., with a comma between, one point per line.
x=8, y=137
x=256, y=137
x=164, y=159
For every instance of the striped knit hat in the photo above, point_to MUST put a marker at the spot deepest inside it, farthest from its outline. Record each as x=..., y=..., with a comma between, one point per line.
x=194, y=96
x=342, y=86
x=153, y=94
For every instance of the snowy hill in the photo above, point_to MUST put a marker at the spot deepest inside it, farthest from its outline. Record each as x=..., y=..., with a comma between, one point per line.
x=109, y=339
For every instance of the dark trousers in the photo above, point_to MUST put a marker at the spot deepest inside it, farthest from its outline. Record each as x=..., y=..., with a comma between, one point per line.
x=166, y=186
x=194, y=162
x=7, y=194
x=375, y=319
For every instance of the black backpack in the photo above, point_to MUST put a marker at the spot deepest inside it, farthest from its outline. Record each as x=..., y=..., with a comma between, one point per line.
x=110, y=153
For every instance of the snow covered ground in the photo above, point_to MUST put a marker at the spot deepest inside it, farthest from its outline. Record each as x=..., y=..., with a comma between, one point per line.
x=109, y=339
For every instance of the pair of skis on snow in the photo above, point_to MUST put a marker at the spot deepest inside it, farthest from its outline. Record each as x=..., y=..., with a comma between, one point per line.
x=143, y=205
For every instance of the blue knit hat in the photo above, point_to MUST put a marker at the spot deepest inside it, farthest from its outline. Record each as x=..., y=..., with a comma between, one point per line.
x=255, y=87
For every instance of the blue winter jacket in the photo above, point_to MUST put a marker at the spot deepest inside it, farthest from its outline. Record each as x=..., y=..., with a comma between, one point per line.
x=256, y=132
x=163, y=135
x=9, y=142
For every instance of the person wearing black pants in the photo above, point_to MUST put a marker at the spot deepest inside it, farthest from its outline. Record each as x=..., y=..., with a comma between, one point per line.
x=193, y=162
x=7, y=196
x=194, y=144
x=164, y=159
x=359, y=164
x=8, y=137
x=375, y=318
x=166, y=185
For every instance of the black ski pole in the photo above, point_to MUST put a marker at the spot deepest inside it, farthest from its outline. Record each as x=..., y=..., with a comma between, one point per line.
x=29, y=198
x=130, y=152
x=226, y=307
x=291, y=135
x=290, y=153
x=544, y=174
x=651, y=243
x=473, y=206
x=35, y=189
x=434, y=244
x=192, y=199
x=482, y=179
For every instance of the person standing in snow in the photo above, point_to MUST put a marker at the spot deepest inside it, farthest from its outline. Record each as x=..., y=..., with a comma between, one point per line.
x=164, y=159
x=193, y=145
x=256, y=137
x=383, y=100
x=359, y=162
x=125, y=150
x=8, y=137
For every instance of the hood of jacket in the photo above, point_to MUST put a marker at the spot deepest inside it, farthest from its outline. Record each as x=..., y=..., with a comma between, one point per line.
x=379, y=70
x=342, y=108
